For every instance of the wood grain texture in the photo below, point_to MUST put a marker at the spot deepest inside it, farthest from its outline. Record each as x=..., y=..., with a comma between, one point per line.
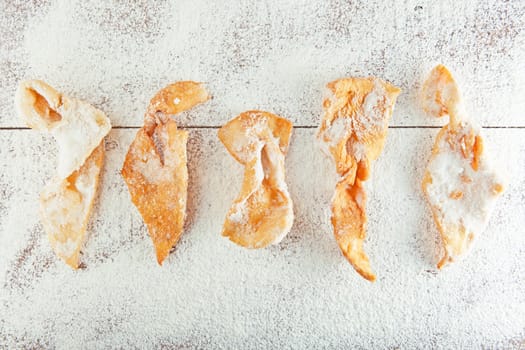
x=277, y=56
x=221, y=295
x=269, y=55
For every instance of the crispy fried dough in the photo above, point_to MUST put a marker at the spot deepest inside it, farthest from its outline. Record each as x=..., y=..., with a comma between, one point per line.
x=155, y=168
x=353, y=131
x=459, y=183
x=262, y=214
x=79, y=129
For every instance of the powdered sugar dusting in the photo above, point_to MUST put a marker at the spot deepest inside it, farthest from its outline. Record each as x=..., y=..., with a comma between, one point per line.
x=263, y=212
x=336, y=132
x=238, y=215
x=67, y=248
x=277, y=56
x=79, y=127
x=151, y=168
x=210, y=293
x=464, y=196
x=372, y=114
x=270, y=55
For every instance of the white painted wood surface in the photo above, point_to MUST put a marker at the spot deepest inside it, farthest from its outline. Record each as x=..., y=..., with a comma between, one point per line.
x=301, y=293
x=271, y=55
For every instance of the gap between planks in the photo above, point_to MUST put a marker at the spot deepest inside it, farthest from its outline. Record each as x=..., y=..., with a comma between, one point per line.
x=8, y=128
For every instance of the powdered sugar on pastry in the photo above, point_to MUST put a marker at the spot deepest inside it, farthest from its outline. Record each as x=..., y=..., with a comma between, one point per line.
x=263, y=212
x=353, y=131
x=65, y=207
x=460, y=190
x=155, y=168
x=460, y=184
x=79, y=129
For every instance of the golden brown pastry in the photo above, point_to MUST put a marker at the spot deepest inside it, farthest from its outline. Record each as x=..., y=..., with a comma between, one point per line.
x=262, y=214
x=353, y=131
x=79, y=129
x=155, y=168
x=460, y=184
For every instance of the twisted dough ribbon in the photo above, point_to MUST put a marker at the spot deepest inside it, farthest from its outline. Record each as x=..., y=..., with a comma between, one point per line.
x=459, y=183
x=155, y=168
x=262, y=214
x=353, y=129
x=79, y=129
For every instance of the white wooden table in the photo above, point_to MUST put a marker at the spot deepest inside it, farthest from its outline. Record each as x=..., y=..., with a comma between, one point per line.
x=272, y=55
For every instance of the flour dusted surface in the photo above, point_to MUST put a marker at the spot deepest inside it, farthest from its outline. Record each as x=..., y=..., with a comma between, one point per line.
x=270, y=55
x=209, y=292
x=276, y=56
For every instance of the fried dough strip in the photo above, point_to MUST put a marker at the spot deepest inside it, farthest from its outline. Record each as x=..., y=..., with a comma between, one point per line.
x=262, y=214
x=353, y=130
x=79, y=129
x=155, y=168
x=459, y=184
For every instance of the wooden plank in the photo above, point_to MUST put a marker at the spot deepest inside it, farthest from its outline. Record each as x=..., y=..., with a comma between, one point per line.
x=269, y=55
x=213, y=293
